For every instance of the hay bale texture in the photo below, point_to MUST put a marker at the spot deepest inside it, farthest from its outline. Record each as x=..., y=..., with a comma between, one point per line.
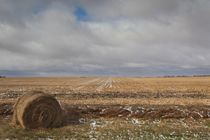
x=37, y=110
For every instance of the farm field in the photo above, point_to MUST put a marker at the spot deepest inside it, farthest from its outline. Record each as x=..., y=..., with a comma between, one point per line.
x=116, y=108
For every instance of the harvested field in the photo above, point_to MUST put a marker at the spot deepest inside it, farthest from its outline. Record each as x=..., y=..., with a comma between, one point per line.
x=119, y=99
x=174, y=93
x=187, y=87
x=177, y=91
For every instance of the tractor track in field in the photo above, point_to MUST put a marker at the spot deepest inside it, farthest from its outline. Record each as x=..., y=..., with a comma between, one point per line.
x=104, y=84
x=136, y=110
x=140, y=95
x=85, y=84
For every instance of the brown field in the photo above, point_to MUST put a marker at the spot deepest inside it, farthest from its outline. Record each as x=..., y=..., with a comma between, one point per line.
x=119, y=99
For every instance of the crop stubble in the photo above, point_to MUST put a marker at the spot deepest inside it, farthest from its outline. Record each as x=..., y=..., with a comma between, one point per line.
x=161, y=97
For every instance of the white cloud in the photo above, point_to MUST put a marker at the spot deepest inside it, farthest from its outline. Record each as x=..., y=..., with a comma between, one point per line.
x=130, y=34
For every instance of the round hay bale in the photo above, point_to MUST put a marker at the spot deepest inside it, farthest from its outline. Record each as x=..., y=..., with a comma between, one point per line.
x=37, y=110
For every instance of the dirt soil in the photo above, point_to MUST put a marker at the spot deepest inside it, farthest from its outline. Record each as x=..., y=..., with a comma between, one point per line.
x=77, y=111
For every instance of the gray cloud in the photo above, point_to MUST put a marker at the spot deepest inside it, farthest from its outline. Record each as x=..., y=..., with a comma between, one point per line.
x=122, y=38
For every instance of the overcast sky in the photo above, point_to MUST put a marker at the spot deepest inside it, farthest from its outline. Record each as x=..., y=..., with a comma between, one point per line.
x=104, y=37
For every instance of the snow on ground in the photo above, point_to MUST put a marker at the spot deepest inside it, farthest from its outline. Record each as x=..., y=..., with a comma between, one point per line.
x=84, y=84
x=104, y=84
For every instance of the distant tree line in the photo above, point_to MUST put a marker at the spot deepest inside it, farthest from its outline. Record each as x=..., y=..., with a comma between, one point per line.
x=175, y=76
x=2, y=76
x=201, y=75
x=186, y=76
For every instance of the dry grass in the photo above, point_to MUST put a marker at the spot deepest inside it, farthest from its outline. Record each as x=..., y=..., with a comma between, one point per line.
x=37, y=109
x=115, y=129
x=187, y=90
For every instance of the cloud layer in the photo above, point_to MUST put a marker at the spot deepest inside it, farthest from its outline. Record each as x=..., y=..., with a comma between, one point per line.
x=117, y=38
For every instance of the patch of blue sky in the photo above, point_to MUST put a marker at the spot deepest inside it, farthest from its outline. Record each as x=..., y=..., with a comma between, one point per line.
x=36, y=9
x=81, y=14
